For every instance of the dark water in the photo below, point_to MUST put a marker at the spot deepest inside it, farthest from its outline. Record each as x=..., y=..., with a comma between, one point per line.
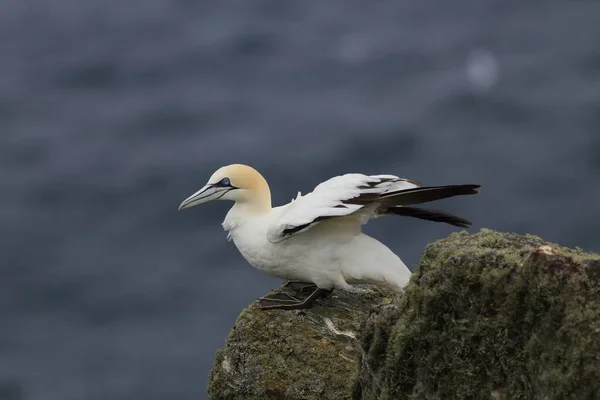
x=113, y=112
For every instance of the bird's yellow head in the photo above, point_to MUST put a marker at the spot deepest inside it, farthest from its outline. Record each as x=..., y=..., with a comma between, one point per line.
x=240, y=183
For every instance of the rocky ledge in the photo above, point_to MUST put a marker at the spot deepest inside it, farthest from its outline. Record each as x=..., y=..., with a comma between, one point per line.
x=485, y=316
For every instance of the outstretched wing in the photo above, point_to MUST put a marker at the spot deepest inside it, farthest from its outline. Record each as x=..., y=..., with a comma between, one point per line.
x=337, y=197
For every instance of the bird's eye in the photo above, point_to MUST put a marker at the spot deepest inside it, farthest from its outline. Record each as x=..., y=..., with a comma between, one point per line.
x=225, y=182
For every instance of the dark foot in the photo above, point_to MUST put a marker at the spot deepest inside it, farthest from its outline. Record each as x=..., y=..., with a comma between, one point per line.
x=295, y=305
x=279, y=297
x=301, y=287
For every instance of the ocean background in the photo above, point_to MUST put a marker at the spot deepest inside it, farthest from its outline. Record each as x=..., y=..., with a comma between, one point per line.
x=111, y=113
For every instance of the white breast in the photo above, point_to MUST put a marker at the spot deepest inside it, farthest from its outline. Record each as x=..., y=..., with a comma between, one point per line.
x=310, y=256
x=332, y=254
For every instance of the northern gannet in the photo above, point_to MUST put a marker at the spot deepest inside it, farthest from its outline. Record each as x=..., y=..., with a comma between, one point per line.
x=317, y=238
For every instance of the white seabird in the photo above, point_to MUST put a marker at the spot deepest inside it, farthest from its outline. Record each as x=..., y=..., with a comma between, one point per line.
x=317, y=238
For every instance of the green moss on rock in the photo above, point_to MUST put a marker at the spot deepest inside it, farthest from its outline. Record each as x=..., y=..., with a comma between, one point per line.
x=489, y=316
x=310, y=354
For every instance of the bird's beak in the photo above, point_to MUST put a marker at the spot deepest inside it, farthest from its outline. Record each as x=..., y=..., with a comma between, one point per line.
x=207, y=193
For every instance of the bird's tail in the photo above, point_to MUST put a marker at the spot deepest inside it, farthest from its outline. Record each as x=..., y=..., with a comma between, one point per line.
x=429, y=215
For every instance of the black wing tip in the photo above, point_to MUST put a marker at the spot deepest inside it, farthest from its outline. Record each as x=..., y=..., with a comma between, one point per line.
x=470, y=188
x=463, y=190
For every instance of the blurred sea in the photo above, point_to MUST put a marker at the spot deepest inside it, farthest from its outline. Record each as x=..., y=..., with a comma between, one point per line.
x=111, y=113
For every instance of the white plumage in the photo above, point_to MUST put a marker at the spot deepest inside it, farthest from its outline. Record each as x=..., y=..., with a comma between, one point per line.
x=327, y=200
x=317, y=238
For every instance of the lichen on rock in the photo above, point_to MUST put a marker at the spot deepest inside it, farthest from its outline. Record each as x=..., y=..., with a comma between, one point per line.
x=485, y=316
x=489, y=316
x=303, y=354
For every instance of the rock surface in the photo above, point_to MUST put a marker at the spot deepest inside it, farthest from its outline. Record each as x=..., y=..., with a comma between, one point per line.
x=489, y=316
x=302, y=354
x=485, y=316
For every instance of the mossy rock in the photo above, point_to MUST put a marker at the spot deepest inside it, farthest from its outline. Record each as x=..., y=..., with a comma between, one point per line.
x=489, y=316
x=304, y=354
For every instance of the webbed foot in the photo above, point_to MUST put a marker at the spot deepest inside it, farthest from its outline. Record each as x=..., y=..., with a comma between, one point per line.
x=294, y=304
x=280, y=297
x=302, y=287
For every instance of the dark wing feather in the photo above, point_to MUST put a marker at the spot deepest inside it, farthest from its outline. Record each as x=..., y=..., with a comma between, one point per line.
x=356, y=193
x=426, y=194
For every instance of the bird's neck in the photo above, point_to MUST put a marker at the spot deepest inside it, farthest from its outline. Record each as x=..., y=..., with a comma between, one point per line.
x=243, y=212
x=250, y=204
x=254, y=201
x=250, y=209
